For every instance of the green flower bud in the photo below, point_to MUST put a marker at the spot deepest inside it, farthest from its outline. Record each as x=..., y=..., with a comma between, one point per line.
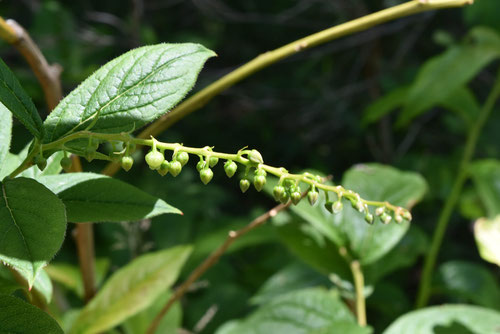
x=407, y=215
x=255, y=157
x=206, y=175
x=164, y=168
x=40, y=161
x=183, y=158
x=66, y=164
x=312, y=196
x=154, y=159
x=213, y=161
x=360, y=206
x=285, y=196
x=90, y=153
x=380, y=210
x=398, y=218
x=369, y=218
x=385, y=218
x=175, y=168
x=259, y=181
x=244, y=185
x=296, y=196
x=200, y=165
x=337, y=206
x=230, y=168
x=127, y=163
x=278, y=192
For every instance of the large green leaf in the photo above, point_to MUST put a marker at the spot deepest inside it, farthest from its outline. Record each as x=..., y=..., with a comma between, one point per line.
x=131, y=289
x=450, y=319
x=300, y=312
x=443, y=74
x=376, y=182
x=18, y=102
x=93, y=198
x=32, y=226
x=129, y=91
x=470, y=282
x=486, y=177
x=487, y=234
x=17, y=316
x=5, y=132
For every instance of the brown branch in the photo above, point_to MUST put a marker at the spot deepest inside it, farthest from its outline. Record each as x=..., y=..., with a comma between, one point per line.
x=49, y=78
x=47, y=75
x=211, y=260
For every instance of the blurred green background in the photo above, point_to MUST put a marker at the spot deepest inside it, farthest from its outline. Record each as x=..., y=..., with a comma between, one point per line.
x=302, y=113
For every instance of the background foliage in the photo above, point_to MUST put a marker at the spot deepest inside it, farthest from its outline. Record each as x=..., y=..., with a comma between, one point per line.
x=304, y=112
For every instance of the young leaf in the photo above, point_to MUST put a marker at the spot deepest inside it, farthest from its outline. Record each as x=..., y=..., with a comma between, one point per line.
x=439, y=76
x=17, y=316
x=5, y=132
x=301, y=312
x=131, y=289
x=15, y=99
x=447, y=319
x=129, y=91
x=97, y=198
x=32, y=226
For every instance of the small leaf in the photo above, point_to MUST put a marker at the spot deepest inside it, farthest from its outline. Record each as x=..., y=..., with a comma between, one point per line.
x=32, y=225
x=131, y=289
x=129, y=91
x=300, y=312
x=443, y=74
x=41, y=291
x=463, y=102
x=470, y=281
x=97, y=198
x=17, y=316
x=487, y=234
x=486, y=177
x=15, y=99
x=5, y=132
x=447, y=319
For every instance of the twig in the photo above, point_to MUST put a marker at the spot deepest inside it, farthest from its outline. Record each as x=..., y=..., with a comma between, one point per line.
x=49, y=78
x=211, y=260
x=47, y=75
x=359, y=284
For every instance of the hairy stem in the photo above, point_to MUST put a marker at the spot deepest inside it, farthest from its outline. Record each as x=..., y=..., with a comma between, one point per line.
x=211, y=260
x=264, y=60
x=451, y=201
x=359, y=284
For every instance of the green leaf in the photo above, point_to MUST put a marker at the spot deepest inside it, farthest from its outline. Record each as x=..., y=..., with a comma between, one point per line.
x=369, y=243
x=299, y=312
x=41, y=291
x=131, y=289
x=487, y=234
x=451, y=319
x=139, y=323
x=470, y=281
x=129, y=91
x=17, y=316
x=486, y=177
x=5, y=133
x=97, y=198
x=32, y=225
x=53, y=167
x=443, y=74
x=384, y=105
x=343, y=327
x=18, y=102
x=403, y=255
